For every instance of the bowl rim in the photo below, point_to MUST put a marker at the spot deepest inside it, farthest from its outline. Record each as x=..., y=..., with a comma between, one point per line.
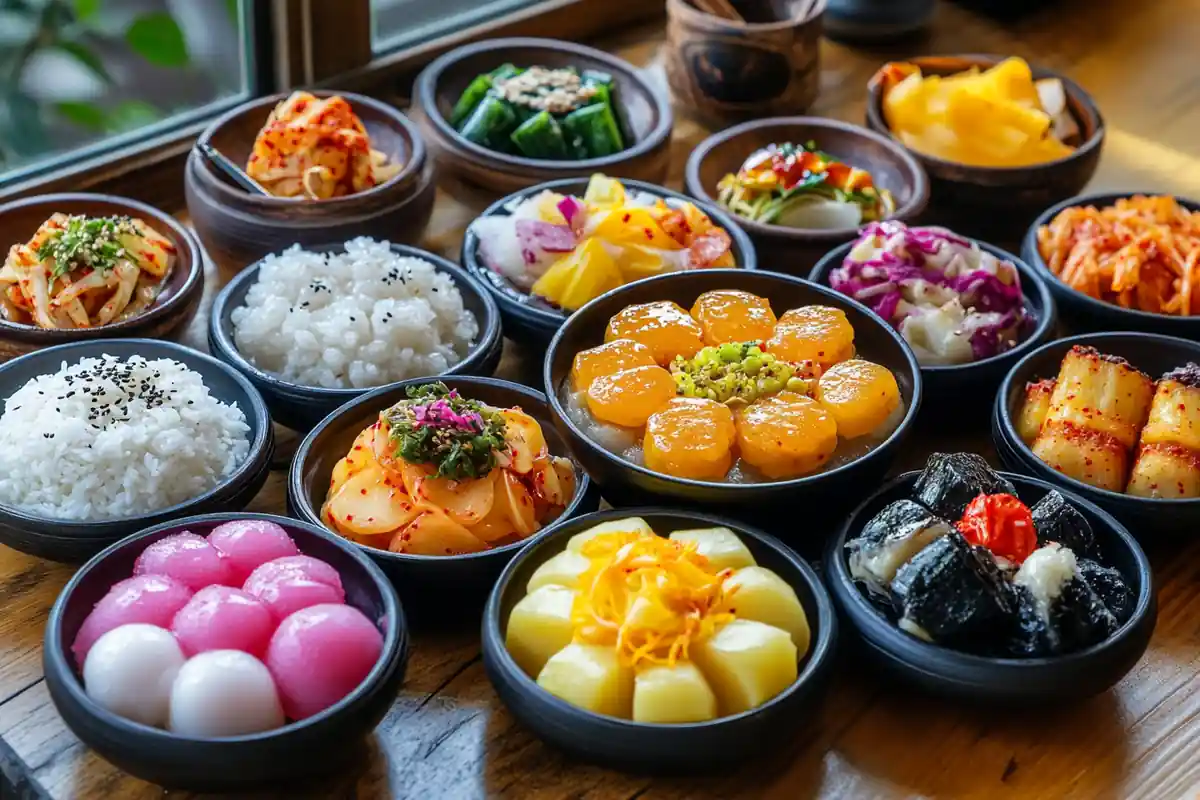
x=1045, y=322
x=150, y=349
x=473, y=264
x=192, y=283
x=932, y=658
x=916, y=172
x=595, y=448
x=299, y=498
x=412, y=166
x=1033, y=256
x=1047, y=473
x=395, y=634
x=875, y=114
x=695, y=15
x=822, y=647
x=426, y=92
x=226, y=350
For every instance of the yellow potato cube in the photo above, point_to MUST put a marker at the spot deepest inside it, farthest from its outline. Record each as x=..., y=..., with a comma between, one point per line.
x=590, y=676
x=721, y=546
x=563, y=569
x=626, y=525
x=539, y=626
x=759, y=594
x=673, y=694
x=747, y=663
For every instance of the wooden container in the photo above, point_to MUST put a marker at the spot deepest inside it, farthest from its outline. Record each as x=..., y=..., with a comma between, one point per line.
x=646, y=114
x=237, y=228
x=719, y=68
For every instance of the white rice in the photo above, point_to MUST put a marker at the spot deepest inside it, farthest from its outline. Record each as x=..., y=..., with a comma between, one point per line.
x=107, y=438
x=357, y=319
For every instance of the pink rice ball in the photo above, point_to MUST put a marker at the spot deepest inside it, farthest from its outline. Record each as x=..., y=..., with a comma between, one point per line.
x=289, y=584
x=319, y=655
x=221, y=618
x=149, y=599
x=247, y=543
x=186, y=557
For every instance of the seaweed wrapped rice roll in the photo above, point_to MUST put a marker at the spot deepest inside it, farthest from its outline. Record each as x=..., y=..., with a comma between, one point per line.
x=1056, y=520
x=891, y=538
x=950, y=481
x=1109, y=586
x=1058, y=612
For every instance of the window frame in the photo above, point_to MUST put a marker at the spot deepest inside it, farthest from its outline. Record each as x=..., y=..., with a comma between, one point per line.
x=282, y=39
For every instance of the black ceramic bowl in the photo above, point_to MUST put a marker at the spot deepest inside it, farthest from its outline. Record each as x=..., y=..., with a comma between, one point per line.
x=624, y=483
x=962, y=386
x=73, y=540
x=655, y=748
x=301, y=407
x=985, y=680
x=1084, y=313
x=432, y=587
x=1152, y=354
x=533, y=321
x=297, y=751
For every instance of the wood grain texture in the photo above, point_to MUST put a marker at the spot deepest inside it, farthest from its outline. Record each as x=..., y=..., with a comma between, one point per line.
x=447, y=736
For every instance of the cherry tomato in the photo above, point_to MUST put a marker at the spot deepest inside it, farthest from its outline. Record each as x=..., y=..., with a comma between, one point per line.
x=1002, y=524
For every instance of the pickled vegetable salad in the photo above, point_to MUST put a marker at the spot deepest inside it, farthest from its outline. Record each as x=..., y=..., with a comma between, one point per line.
x=798, y=186
x=555, y=114
x=569, y=251
x=951, y=300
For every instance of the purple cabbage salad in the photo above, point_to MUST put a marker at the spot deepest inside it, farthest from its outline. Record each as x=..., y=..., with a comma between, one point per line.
x=953, y=302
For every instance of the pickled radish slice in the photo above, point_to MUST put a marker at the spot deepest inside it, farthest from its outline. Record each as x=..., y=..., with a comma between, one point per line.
x=608, y=359
x=467, y=502
x=629, y=397
x=524, y=437
x=547, y=484
x=566, y=476
x=362, y=453
x=321, y=654
x=730, y=315
x=186, y=557
x=516, y=503
x=149, y=599
x=371, y=503
x=434, y=533
x=250, y=542
x=813, y=333
x=222, y=618
x=786, y=436
x=860, y=395
x=662, y=326
x=691, y=438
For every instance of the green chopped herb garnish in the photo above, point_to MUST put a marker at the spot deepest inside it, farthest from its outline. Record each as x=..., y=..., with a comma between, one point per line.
x=87, y=243
x=439, y=427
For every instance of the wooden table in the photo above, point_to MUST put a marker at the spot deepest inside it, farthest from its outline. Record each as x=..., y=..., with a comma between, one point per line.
x=448, y=736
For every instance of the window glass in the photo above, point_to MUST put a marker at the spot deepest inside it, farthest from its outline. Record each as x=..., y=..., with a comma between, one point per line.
x=79, y=76
x=396, y=23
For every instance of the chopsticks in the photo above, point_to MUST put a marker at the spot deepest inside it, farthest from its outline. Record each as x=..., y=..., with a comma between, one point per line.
x=231, y=169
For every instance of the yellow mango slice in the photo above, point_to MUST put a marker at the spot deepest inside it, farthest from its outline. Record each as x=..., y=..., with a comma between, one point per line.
x=636, y=261
x=539, y=626
x=632, y=225
x=580, y=277
x=604, y=192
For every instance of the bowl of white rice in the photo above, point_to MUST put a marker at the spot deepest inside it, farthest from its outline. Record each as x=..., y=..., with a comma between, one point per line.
x=313, y=328
x=101, y=439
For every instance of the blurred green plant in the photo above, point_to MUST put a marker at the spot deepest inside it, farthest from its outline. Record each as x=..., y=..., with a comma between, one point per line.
x=74, y=28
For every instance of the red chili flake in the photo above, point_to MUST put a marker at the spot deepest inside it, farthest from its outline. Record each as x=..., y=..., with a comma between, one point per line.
x=370, y=519
x=362, y=491
x=626, y=218
x=349, y=518
x=267, y=143
x=358, y=447
x=303, y=104
x=649, y=233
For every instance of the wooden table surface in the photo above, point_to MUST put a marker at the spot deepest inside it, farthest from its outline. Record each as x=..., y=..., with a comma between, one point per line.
x=448, y=736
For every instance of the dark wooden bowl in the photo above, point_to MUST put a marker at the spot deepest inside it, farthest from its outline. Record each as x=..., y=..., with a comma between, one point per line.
x=647, y=748
x=966, y=677
x=79, y=540
x=435, y=589
x=238, y=227
x=647, y=115
x=770, y=504
x=998, y=203
x=531, y=320
x=177, y=300
x=323, y=743
x=1084, y=313
x=301, y=407
x=796, y=250
x=1146, y=517
x=720, y=69
x=961, y=395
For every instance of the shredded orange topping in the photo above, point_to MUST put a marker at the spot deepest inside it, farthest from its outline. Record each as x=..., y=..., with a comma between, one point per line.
x=1141, y=253
x=650, y=597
